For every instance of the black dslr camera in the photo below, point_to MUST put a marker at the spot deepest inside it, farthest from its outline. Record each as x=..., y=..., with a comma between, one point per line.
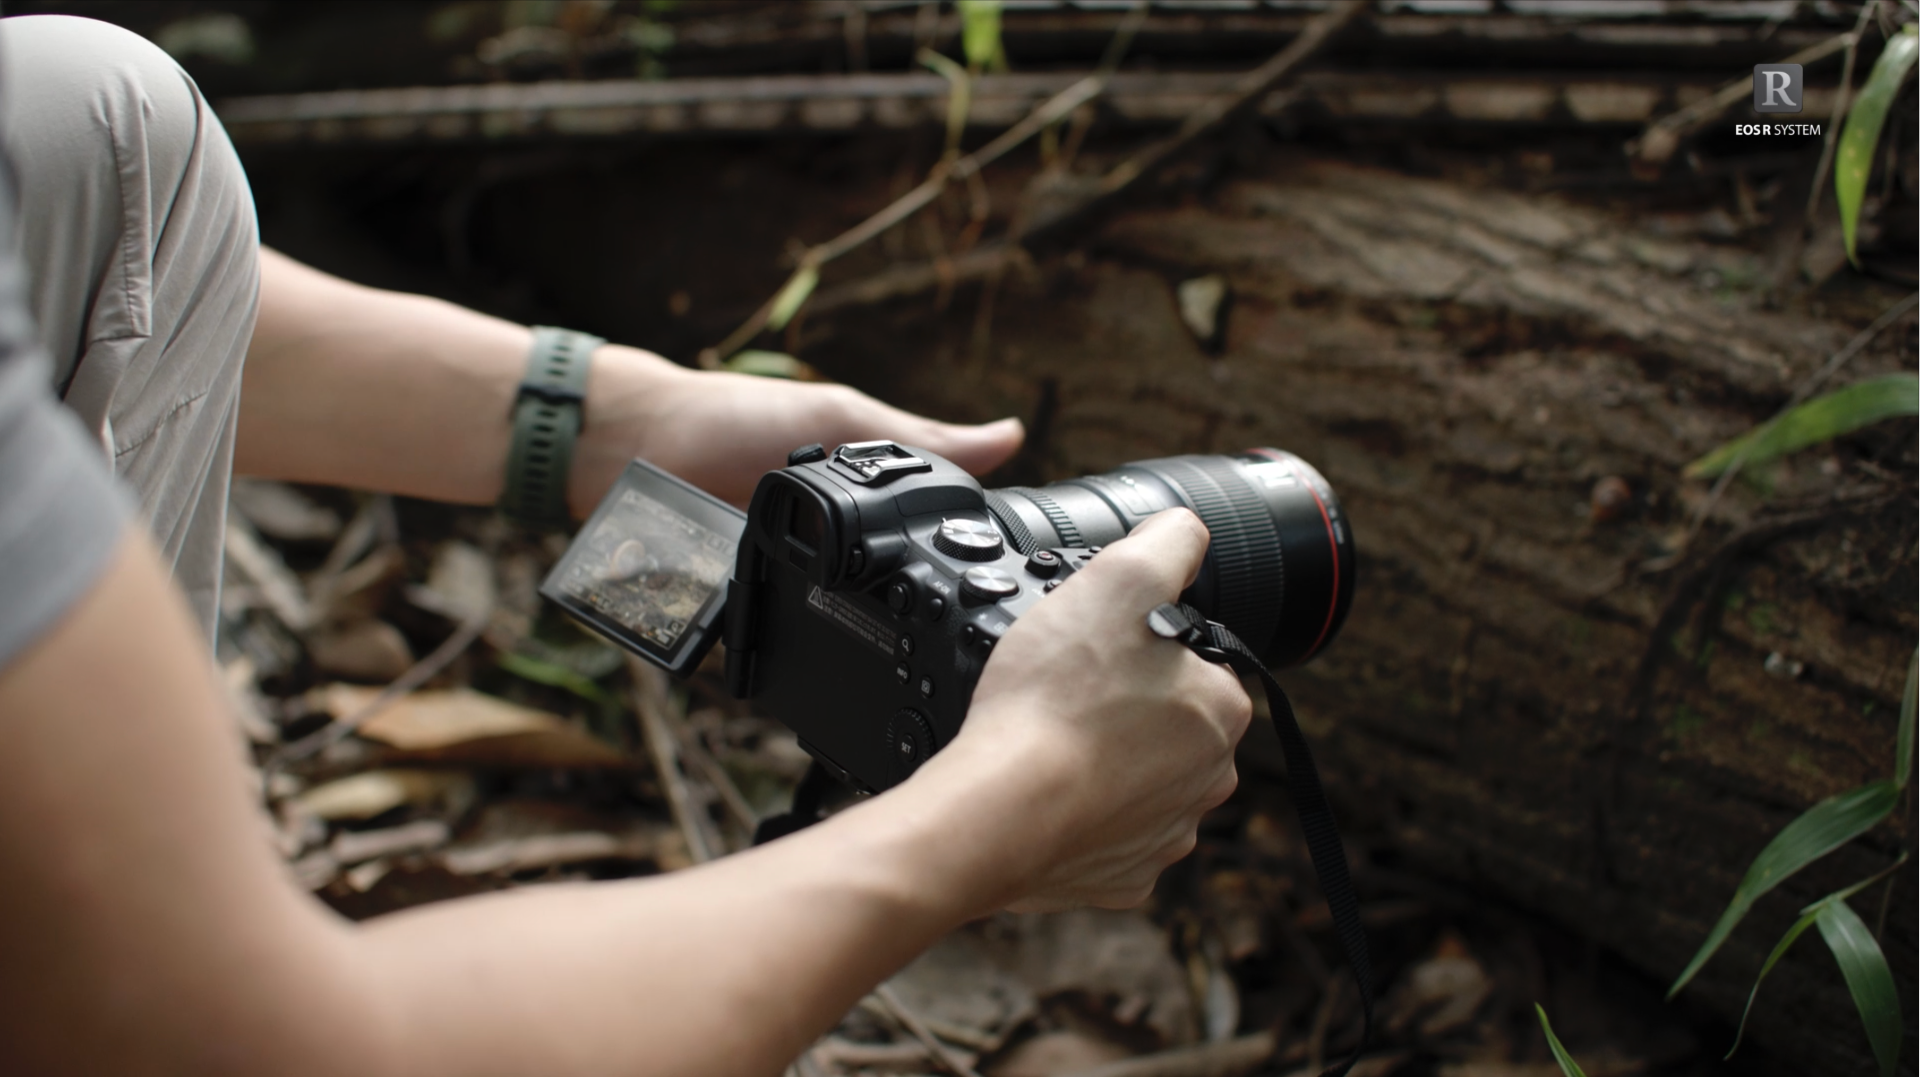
x=866, y=587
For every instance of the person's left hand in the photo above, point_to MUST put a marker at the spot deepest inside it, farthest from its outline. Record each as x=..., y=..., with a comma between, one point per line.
x=722, y=431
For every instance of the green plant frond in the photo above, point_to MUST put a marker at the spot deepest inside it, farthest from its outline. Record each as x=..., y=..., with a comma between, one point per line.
x=1868, y=978
x=1821, y=419
x=766, y=365
x=1903, y=741
x=792, y=294
x=1861, y=135
x=1823, y=828
x=980, y=35
x=553, y=675
x=1567, y=1065
x=1807, y=916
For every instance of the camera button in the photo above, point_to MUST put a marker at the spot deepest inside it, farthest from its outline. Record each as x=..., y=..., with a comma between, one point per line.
x=1043, y=563
x=1050, y=585
x=936, y=608
x=900, y=596
x=902, y=674
x=906, y=645
x=926, y=687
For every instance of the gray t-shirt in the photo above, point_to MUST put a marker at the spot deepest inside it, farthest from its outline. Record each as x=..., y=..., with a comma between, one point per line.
x=61, y=513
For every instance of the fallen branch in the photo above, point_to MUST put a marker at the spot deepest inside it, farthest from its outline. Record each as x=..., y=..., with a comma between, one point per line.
x=651, y=703
x=1229, y=1058
x=946, y=1056
x=1055, y=109
x=1247, y=91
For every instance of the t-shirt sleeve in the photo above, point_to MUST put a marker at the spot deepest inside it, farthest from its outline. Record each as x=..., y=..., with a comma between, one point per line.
x=61, y=513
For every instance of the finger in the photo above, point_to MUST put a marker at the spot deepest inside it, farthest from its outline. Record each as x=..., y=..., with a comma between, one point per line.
x=978, y=449
x=1157, y=560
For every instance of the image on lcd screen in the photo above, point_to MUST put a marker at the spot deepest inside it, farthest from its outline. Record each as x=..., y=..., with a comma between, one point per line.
x=648, y=568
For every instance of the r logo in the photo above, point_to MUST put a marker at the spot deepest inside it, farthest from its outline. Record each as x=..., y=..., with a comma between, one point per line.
x=1777, y=88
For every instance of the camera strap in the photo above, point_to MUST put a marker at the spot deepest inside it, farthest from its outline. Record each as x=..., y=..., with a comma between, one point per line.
x=1216, y=643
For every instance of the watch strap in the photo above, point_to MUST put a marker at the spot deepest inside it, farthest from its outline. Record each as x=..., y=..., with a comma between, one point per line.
x=547, y=417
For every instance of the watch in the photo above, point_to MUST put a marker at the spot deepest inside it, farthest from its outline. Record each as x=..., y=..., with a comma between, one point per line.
x=547, y=416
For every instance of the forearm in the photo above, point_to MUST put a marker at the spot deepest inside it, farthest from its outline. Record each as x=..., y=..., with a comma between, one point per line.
x=152, y=930
x=732, y=968
x=354, y=386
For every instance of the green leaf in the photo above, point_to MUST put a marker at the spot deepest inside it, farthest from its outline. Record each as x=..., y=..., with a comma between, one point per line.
x=1903, y=741
x=792, y=294
x=980, y=34
x=1567, y=1065
x=1823, y=828
x=959, y=95
x=553, y=675
x=1861, y=135
x=768, y=365
x=1807, y=916
x=1821, y=419
x=1868, y=978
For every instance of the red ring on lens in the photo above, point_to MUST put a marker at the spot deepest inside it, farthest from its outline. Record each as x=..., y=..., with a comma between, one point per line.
x=1333, y=544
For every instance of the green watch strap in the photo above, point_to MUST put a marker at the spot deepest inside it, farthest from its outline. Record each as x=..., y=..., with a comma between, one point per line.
x=546, y=421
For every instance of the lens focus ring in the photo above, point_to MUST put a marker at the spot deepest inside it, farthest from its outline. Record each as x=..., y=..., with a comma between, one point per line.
x=1057, y=516
x=1249, y=578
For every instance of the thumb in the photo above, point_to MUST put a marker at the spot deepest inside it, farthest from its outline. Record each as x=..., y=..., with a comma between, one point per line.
x=979, y=449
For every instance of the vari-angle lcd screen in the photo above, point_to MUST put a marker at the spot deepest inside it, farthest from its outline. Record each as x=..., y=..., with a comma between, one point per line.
x=651, y=565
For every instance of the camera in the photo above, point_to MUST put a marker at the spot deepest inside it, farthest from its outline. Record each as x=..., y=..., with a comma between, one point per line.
x=865, y=588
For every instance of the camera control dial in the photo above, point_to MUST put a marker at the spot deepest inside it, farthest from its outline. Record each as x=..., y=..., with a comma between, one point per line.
x=989, y=583
x=967, y=540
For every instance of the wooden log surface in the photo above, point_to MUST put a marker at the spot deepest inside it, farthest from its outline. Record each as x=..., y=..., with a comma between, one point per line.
x=1464, y=364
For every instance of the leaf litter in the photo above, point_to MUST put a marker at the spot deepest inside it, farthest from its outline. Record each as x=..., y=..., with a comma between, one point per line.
x=521, y=761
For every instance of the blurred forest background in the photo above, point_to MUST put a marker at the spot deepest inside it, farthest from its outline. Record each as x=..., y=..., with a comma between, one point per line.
x=1499, y=268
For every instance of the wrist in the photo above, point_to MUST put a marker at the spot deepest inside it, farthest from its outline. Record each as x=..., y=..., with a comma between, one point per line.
x=984, y=820
x=626, y=389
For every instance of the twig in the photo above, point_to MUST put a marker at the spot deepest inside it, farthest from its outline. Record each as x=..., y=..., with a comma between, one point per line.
x=717, y=776
x=1805, y=390
x=651, y=703
x=1322, y=1023
x=1228, y=1058
x=1663, y=135
x=1840, y=103
x=422, y=672
x=1054, y=109
x=1247, y=91
x=941, y=1052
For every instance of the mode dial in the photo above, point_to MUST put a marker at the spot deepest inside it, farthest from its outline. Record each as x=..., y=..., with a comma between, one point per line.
x=968, y=540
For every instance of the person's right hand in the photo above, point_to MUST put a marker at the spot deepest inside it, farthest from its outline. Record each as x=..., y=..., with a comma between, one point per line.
x=1115, y=740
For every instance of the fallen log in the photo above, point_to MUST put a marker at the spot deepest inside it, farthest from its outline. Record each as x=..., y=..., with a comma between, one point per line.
x=1517, y=702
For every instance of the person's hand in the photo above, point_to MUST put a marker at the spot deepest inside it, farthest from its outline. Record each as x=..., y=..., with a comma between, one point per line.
x=1120, y=738
x=722, y=431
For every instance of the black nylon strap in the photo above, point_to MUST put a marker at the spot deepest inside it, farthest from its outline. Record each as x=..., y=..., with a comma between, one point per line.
x=1215, y=643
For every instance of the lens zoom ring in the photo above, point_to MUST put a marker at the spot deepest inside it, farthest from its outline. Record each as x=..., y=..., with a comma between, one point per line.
x=1010, y=522
x=1249, y=579
x=1057, y=516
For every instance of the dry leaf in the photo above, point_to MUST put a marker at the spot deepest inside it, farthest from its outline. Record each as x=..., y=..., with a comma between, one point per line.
x=462, y=725
x=459, y=584
x=364, y=796
x=366, y=650
x=550, y=850
x=1442, y=993
x=1058, y=1053
x=279, y=511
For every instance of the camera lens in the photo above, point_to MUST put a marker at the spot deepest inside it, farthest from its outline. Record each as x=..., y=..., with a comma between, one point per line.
x=1280, y=569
